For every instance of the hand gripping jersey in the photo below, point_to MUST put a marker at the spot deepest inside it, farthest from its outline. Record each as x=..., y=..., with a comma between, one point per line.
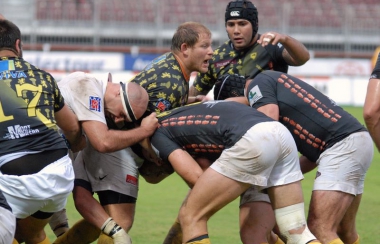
x=247, y=62
x=29, y=97
x=315, y=121
x=204, y=129
x=165, y=83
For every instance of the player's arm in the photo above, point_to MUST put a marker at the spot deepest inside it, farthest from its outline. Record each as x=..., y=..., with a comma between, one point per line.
x=185, y=166
x=197, y=98
x=306, y=165
x=271, y=110
x=105, y=140
x=68, y=122
x=294, y=53
x=371, y=110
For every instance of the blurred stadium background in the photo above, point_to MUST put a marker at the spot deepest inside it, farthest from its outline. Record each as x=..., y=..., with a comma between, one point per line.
x=342, y=35
x=340, y=28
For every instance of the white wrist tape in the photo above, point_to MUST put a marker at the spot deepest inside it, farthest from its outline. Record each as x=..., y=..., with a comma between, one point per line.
x=118, y=234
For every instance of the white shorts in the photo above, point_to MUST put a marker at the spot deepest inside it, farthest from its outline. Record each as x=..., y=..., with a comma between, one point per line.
x=116, y=171
x=265, y=156
x=45, y=191
x=343, y=166
x=7, y=226
x=253, y=194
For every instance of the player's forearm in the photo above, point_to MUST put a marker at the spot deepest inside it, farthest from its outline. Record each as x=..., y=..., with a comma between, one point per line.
x=117, y=140
x=298, y=53
x=371, y=110
x=373, y=126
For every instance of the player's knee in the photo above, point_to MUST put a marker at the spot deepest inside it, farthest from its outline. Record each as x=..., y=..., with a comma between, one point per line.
x=292, y=224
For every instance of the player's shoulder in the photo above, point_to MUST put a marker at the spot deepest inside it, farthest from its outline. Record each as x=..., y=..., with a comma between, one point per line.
x=160, y=60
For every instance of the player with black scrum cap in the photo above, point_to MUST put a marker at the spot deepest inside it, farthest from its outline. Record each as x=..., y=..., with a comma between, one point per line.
x=247, y=52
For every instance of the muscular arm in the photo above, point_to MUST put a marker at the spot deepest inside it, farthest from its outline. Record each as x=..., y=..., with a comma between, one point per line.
x=105, y=140
x=295, y=53
x=271, y=110
x=306, y=165
x=68, y=122
x=185, y=166
x=371, y=110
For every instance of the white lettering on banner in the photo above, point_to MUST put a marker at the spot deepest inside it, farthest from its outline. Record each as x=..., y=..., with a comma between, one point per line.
x=66, y=61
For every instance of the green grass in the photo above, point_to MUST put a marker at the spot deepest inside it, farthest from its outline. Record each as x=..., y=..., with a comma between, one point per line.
x=158, y=205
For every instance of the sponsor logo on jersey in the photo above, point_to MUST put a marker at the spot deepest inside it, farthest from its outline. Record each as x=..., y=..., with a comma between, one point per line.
x=235, y=13
x=95, y=103
x=224, y=63
x=155, y=61
x=19, y=131
x=7, y=70
x=6, y=65
x=163, y=105
x=254, y=95
x=131, y=179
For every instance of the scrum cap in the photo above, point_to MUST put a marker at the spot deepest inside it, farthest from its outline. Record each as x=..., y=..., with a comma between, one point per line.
x=243, y=9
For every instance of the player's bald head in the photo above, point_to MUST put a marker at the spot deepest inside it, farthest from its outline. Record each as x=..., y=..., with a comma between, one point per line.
x=135, y=100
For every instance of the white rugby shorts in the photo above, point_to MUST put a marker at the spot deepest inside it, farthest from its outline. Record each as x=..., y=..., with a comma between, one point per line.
x=265, y=156
x=343, y=166
x=116, y=171
x=45, y=191
x=253, y=194
x=7, y=226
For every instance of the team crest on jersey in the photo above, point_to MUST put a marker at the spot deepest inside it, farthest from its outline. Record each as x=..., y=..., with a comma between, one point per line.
x=254, y=95
x=95, y=103
x=163, y=105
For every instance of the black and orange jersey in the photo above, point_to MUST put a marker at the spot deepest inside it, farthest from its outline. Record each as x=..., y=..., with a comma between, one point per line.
x=204, y=129
x=165, y=83
x=247, y=62
x=315, y=121
x=29, y=97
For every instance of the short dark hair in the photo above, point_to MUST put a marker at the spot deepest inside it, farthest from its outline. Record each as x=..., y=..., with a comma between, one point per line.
x=188, y=33
x=9, y=33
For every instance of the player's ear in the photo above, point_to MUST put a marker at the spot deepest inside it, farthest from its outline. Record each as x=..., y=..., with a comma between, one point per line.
x=184, y=48
x=18, y=47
